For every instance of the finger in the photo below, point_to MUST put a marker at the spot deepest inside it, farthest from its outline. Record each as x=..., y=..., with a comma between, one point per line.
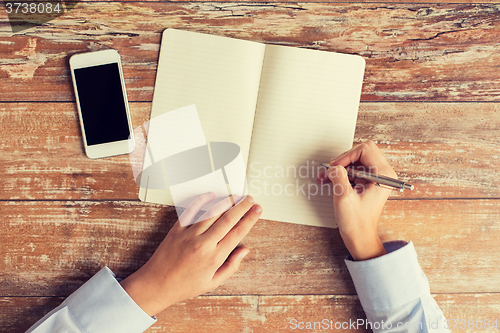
x=219, y=208
x=230, y=266
x=322, y=177
x=367, y=153
x=240, y=230
x=341, y=185
x=227, y=221
x=340, y=156
x=188, y=215
x=210, y=216
x=374, y=193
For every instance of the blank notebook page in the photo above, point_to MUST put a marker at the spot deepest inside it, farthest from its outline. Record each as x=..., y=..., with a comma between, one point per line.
x=306, y=114
x=220, y=76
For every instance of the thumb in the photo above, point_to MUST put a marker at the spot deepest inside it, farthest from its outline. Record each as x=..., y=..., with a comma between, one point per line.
x=230, y=266
x=340, y=181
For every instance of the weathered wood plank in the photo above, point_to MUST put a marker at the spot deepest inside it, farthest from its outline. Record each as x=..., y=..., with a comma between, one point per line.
x=220, y=314
x=42, y=151
x=51, y=248
x=430, y=52
x=446, y=149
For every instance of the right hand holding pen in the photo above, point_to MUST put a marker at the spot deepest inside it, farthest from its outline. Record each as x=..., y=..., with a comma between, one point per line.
x=357, y=209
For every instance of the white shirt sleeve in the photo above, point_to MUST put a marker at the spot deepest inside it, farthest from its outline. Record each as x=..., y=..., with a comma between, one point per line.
x=99, y=305
x=394, y=292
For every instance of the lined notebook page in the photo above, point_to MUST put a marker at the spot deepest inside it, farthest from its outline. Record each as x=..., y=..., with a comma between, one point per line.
x=220, y=76
x=306, y=114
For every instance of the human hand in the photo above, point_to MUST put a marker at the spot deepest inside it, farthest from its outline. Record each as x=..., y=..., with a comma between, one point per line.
x=195, y=259
x=357, y=209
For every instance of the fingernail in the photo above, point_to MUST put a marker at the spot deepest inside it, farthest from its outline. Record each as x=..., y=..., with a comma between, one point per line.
x=257, y=208
x=211, y=194
x=244, y=254
x=249, y=198
x=236, y=197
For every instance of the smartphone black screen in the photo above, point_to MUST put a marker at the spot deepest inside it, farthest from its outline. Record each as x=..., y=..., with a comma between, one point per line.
x=101, y=103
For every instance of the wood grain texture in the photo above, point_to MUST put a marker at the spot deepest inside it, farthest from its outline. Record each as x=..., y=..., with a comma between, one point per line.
x=43, y=153
x=447, y=150
x=51, y=248
x=257, y=314
x=64, y=216
x=418, y=52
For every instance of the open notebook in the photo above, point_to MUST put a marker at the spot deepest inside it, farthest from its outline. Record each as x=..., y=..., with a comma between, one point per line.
x=289, y=110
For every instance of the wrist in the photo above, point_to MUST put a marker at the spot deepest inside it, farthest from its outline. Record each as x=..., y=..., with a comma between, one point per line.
x=138, y=288
x=364, y=248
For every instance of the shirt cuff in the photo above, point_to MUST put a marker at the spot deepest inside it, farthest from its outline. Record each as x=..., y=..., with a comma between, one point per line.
x=102, y=305
x=391, y=280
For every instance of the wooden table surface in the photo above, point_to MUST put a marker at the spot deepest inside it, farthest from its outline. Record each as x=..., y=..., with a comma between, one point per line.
x=430, y=100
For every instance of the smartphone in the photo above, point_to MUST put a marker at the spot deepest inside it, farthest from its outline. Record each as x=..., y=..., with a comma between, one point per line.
x=102, y=103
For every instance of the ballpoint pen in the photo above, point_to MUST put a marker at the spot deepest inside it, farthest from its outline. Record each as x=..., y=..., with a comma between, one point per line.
x=380, y=180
